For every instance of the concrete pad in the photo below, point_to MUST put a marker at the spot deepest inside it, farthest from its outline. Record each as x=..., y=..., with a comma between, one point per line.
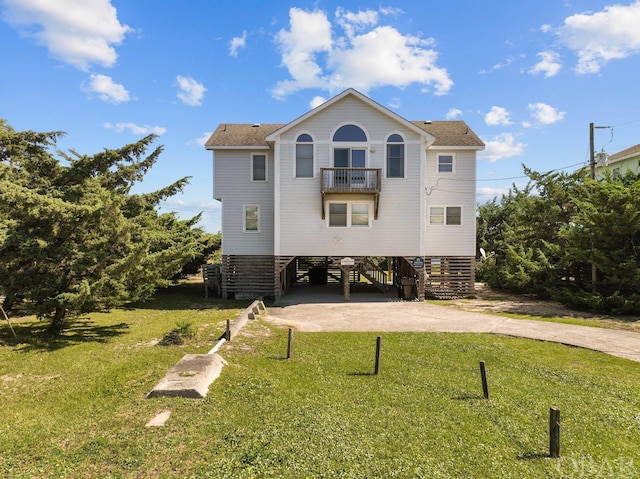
x=190, y=377
x=160, y=419
x=315, y=309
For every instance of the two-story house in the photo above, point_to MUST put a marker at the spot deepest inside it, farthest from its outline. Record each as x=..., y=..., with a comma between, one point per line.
x=619, y=163
x=338, y=189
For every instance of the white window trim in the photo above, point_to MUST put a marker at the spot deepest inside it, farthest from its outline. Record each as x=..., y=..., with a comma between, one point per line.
x=244, y=219
x=453, y=164
x=351, y=146
x=266, y=168
x=386, y=156
x=445, y=216
x=350, y=204
x=295, y=155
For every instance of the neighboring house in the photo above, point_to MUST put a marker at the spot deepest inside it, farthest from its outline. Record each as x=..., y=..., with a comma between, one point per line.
x=347, y=183
x=619, y=163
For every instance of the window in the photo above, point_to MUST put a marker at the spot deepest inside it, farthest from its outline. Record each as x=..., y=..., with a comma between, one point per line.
x=360, y=214
x=351, y=133
x=445, y=163
x=395, y=156
x=337, y=214
x=304, y=156
x=251, y=218
x=445, y=215
x=349, y=215
x=259, y=167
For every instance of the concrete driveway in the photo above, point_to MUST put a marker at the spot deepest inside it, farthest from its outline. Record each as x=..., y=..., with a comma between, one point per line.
x=311, y=308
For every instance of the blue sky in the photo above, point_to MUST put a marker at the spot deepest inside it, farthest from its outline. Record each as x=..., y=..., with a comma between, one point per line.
x=528, y=76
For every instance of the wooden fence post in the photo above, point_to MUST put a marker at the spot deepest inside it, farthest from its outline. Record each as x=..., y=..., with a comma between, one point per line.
x=376, y=367
x=483, y=375
x=289, y=343
x=554, y=432
x=227, y=332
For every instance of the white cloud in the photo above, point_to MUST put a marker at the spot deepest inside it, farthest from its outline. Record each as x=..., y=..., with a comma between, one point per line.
x=395, y=103
x=105, y=87
x=316, y=102
x=546, y=28
x=237, y=43
x=599, y=37
x=190, y=91
x=453, y=113
x=486, y=194
x=78, y=32
x=135, y=129
x=202, y=140
x=549, y=64
x=497, y=116
x=356, y=22
x=367, y=56
x=501, y=146
x=545, y=114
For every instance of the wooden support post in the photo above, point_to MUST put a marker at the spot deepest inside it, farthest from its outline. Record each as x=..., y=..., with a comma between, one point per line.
x=9, y=322
x=346, y=284
x=289, y=343
x=227, y=332
x=554, y=432
x=376, y=367
x=483, y=375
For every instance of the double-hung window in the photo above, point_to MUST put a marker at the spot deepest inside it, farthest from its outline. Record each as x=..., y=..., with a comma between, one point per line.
x=395, y=156
x=251, y=218
x=445, y=215
x=304, y=156
x=349, y=215
x=259, y=167
x=445, y=163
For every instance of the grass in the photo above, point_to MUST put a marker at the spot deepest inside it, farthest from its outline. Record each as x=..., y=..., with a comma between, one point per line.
x=75, y=407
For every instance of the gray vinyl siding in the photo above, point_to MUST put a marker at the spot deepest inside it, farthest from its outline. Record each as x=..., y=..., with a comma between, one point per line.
x=457, y=189
x=398, y=227
x=232, y=184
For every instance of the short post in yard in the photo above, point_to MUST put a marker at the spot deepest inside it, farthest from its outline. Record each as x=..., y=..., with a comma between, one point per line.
x=376, y=367
x=289, y=343
x=554, y=432
x=483, y=376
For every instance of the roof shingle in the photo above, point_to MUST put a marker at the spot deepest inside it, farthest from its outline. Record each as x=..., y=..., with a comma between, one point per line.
x=446, y=133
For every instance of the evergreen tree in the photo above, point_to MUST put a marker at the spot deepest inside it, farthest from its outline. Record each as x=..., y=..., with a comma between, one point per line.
x=73, y=238
x=545, y=238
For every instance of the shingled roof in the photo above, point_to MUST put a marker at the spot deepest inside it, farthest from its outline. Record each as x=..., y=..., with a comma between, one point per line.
x=230, y=135
x=450, y=133
x=624, y=154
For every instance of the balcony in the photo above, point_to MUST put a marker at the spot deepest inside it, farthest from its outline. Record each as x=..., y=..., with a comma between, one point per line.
x=351, y=181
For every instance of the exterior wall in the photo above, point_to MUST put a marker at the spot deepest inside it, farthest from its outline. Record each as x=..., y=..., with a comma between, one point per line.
x=233, y=185
x=452, y=189
x=303, y=231
x=621, y=166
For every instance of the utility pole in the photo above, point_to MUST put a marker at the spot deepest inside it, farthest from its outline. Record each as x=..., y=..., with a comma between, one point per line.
x=592, y=165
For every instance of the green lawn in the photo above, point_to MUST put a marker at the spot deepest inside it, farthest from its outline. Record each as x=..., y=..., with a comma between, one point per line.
x=76, y=407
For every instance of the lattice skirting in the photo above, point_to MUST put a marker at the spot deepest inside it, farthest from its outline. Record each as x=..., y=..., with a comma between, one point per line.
x=450, y=277
x=248, y=276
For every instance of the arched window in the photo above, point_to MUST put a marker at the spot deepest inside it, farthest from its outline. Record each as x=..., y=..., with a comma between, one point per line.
x=304, y=156
x=350, y=156
x=349, y=133
x=395, y=156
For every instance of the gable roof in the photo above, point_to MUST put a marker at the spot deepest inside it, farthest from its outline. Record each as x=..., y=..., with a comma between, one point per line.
x=259, y=136
x=451, y=133
x=230, y=135
x=361, y=97
x=625, y=154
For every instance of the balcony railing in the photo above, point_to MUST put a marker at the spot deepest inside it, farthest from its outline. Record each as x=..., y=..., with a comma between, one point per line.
x=351, y=180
